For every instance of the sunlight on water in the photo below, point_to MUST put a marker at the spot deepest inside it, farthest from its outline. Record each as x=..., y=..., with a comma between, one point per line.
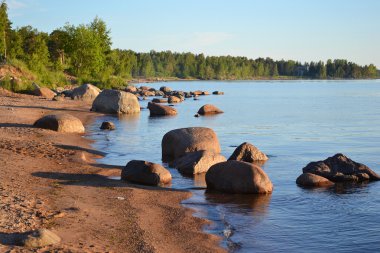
x=294, y=122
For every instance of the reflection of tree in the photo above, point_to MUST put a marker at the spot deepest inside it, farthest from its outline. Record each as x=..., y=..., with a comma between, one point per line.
x=257, y=204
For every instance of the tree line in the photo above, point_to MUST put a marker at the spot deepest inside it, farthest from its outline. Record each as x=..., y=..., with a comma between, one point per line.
x=84, y=51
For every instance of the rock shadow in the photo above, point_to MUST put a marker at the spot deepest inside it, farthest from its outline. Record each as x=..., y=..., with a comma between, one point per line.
x=77, y=148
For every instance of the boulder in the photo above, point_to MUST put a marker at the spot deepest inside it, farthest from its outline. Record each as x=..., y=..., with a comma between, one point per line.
x=340, y=168
x=312, y=180
x=197, y=92
x=165, y=89
x=146, y=173
x=147, y=93
x=86, y=92
x=238, y=177
x=209, y=109
x=159, y=100
x=161, y=110
x=178, y=142
x=131, y=89
x=218, y=93
x=114, y=101
x=205, y=93
x=246, y=152
x=44, y=92
x=159, y=93
x=174, y=99
x=59, y=98
x=39, y=238
x=198, y=162
x=64, y=123
x=144, y=88
x=106, y=125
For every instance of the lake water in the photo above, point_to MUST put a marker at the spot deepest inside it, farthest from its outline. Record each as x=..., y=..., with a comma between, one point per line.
x=294, y=122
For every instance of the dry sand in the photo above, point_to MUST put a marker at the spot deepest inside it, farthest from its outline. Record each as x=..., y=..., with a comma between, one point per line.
x=50, y=180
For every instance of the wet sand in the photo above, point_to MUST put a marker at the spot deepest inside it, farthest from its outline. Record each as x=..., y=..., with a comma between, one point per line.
x=50, y=180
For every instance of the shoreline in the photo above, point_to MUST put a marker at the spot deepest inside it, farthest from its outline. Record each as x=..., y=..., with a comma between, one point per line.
x=51, y=180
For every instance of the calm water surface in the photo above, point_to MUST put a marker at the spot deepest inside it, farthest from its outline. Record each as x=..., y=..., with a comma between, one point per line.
x=294, y=122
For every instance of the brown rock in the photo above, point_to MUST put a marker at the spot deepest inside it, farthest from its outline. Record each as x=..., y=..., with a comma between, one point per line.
x=44, y=92
x=159, y=100
x=246, y=152
x=178, y=142
x=64, y=123
x=147, y=173
x=218, y=93
x=198, y=162
x=165, y=89
x=174, y=99
x=238, y=177
x=131, y=89
x=161, y=110
x=40, y=238
x=312, y=180
x=114, y=101
x=209, y=109
x=106, y=125
x=340, y=168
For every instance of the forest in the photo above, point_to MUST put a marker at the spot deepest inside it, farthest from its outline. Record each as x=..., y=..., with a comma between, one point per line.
x=84, y=53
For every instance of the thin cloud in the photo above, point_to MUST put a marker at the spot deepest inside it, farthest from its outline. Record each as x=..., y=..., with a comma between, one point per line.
x=16, y=5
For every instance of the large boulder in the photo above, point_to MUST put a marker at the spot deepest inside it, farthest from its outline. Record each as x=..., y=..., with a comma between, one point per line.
x=238, y=177
x=86, y=92
x=146, y=173
x=340, y=168
x=209, y=109
x=64, y=123
x=198, y=162
x=312, y=180
x=44, y=92
x=114, y=101
x=246, y=152
x=165, y=89
x=161, y=110
x=178, y=142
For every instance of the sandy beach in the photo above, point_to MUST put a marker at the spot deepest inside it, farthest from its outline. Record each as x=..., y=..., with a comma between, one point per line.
x=51, y=180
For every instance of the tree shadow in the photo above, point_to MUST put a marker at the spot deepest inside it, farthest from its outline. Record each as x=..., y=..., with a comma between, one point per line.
x=13, y=239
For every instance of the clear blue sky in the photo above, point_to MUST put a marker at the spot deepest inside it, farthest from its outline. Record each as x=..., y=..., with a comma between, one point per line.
x=302, y=30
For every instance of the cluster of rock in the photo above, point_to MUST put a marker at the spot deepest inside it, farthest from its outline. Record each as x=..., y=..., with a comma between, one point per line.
x=335, y=169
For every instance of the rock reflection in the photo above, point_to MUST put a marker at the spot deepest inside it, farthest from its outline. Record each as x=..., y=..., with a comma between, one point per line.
x=350, y=187
x=255, y=204
x=129, y=121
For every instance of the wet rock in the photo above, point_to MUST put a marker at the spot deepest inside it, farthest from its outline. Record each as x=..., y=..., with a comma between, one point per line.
x=165, y=89
x=197, y=162
x=174, y=99
x=246, y=152
x=159, y=100
x=106, y=125
x=64, y=123
x=39, y=238
x=147, y=173
x=178, y=142
x=312, y=180
x=209, y=109
x=340, y=168
x=161, y=110
x=238, y=177
x=114, y=101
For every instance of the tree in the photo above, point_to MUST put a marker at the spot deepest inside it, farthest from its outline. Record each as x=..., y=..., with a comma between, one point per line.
x=5, y=27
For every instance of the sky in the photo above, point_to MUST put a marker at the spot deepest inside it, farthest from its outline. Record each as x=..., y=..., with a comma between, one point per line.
x=302, y=30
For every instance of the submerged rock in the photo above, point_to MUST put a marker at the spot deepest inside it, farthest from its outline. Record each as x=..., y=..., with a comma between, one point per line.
x=161, y=110
x=147, y=173
x=209, y=109
x=106, y=125
x=114, y=101
x=312, y=180
x=178, y=142
x=198, y=162
x=64, y=123
x=238, y=177
x=246, y=152
x=340, y=168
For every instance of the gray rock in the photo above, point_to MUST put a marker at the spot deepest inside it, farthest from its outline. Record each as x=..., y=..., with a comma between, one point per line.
x=114, y=101
x=64, y=123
